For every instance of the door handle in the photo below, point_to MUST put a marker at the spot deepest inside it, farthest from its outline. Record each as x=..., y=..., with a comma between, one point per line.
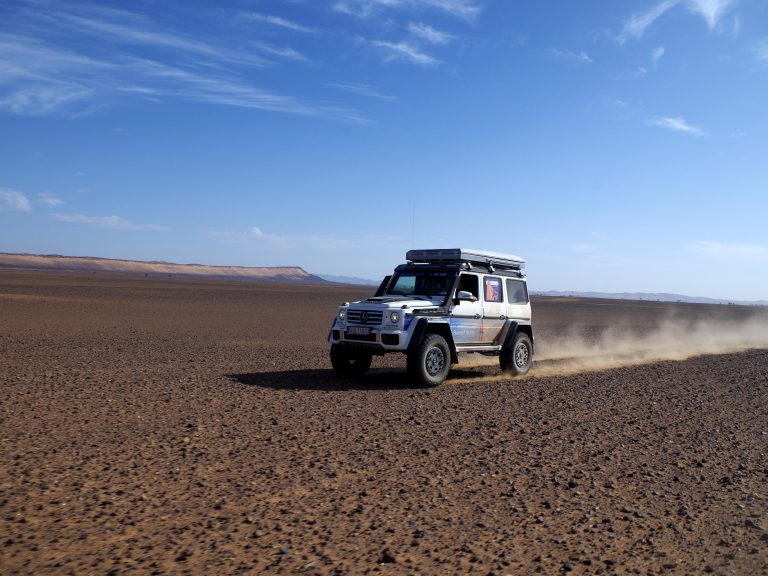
x=477, y=316
x=502, y=317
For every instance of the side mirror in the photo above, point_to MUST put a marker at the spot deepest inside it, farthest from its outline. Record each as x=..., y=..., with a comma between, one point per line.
x=464, y=296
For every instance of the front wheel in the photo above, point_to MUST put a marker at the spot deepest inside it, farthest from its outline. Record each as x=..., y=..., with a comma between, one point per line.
x=517, y=359
x=430, y=363
x=348, y=363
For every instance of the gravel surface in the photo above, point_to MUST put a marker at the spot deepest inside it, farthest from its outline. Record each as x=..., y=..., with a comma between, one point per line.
x=164, y=426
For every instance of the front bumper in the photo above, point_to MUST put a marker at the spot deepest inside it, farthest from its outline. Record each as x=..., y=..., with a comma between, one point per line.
x=377, y=339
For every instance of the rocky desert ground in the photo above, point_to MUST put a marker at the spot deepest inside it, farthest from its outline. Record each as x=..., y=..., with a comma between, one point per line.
x=169, y=426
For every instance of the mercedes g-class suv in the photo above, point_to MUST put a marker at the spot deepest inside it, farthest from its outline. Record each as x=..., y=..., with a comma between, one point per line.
x=441, y=302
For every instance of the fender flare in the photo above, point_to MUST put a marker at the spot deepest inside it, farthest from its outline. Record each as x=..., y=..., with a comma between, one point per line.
x=423, y=328
x=512, y=328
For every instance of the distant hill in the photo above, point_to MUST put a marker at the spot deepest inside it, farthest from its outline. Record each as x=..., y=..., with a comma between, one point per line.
x=349, y=280
x=134, y=267
x=660, y=297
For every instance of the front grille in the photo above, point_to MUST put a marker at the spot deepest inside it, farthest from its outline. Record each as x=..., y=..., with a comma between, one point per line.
x=365, y=317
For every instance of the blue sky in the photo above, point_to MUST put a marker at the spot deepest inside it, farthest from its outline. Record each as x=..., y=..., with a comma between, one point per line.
x=616, y=146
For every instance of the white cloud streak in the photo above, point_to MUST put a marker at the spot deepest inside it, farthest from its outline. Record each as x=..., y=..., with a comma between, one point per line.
x=277, y=21
x=255, y=234
x=761, y=51
x=363, y=90
x=582, y=248
x=711, y=10
x=637, y=24
x=429, y=34
x=41, y=74
x=110, y=222
x=466, y=9
x=252, y=233
x=287, y=53
x=123, y=32
x=575, y=57
x=725, y=251
x=657, y=55
x=13, y=201
x=404, y=51
x=49, y=200
x=44, y=100
x=677, y=124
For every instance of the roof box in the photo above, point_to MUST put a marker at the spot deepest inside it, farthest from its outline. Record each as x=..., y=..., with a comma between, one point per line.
x=484, y=257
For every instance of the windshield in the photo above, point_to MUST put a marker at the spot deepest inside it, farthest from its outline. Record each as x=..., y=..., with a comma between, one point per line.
x=421, y=283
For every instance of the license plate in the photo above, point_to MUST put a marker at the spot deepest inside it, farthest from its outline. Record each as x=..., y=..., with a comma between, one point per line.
x=358, y=331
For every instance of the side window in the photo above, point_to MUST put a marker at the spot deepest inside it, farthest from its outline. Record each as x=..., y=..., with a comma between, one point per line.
x=468, y=283
x=492, y=289
x=517, y=292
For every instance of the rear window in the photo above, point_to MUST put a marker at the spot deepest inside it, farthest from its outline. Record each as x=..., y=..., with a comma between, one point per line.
x=517, y=292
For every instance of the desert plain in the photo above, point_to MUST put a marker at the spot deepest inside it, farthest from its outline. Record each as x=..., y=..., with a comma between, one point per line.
x=178, y=426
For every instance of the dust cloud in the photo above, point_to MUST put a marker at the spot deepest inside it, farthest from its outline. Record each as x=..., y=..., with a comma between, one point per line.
x=585, y=349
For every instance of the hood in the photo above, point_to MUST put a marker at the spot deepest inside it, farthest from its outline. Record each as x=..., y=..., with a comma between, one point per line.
x=401, y=301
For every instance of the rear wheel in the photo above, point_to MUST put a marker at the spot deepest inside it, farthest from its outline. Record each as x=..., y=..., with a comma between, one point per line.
x=349, y=363
x=517, y=359
x=430, y=363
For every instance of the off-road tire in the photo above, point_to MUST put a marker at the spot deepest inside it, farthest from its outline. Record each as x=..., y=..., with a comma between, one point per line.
x=517, y=358
x=430, y=363
x=349, y=363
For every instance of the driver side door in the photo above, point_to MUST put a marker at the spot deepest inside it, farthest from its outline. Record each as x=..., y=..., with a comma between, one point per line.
x=467, y=316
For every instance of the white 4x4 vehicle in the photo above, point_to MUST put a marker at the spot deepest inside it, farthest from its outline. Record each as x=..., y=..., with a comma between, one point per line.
x=441, y=302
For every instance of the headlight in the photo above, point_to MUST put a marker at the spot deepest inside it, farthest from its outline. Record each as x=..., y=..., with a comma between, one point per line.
x=342, y=314
x=394, y=317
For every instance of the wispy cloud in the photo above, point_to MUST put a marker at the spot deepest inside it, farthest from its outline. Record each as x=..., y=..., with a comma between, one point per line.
x=136, y=33
x=252, y=233
x=363, y=90
x=13, y=201
x=46, y=71
x=49, y=200
x=165, y=80
x=736, y=26
x=711, y=10
x=725, y=251
x=761, y=51
x=44, y=100
x=277, y=21
x=111, y=222
x=583, y=248
x=575, y=57
x=255, y=234
x=636, y=25
x=467, y=9
x=282, y=52
x=678, y=124
x=429, y=34
x=657, y=54
x=404, y=51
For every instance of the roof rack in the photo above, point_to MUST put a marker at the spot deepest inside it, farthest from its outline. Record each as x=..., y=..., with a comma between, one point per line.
x=482, y=257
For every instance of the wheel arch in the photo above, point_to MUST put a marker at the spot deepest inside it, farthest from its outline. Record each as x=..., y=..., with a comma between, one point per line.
x=516, y=327
x=424, y=327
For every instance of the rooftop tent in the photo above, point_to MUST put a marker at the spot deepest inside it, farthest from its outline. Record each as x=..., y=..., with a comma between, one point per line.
x=484, y=257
